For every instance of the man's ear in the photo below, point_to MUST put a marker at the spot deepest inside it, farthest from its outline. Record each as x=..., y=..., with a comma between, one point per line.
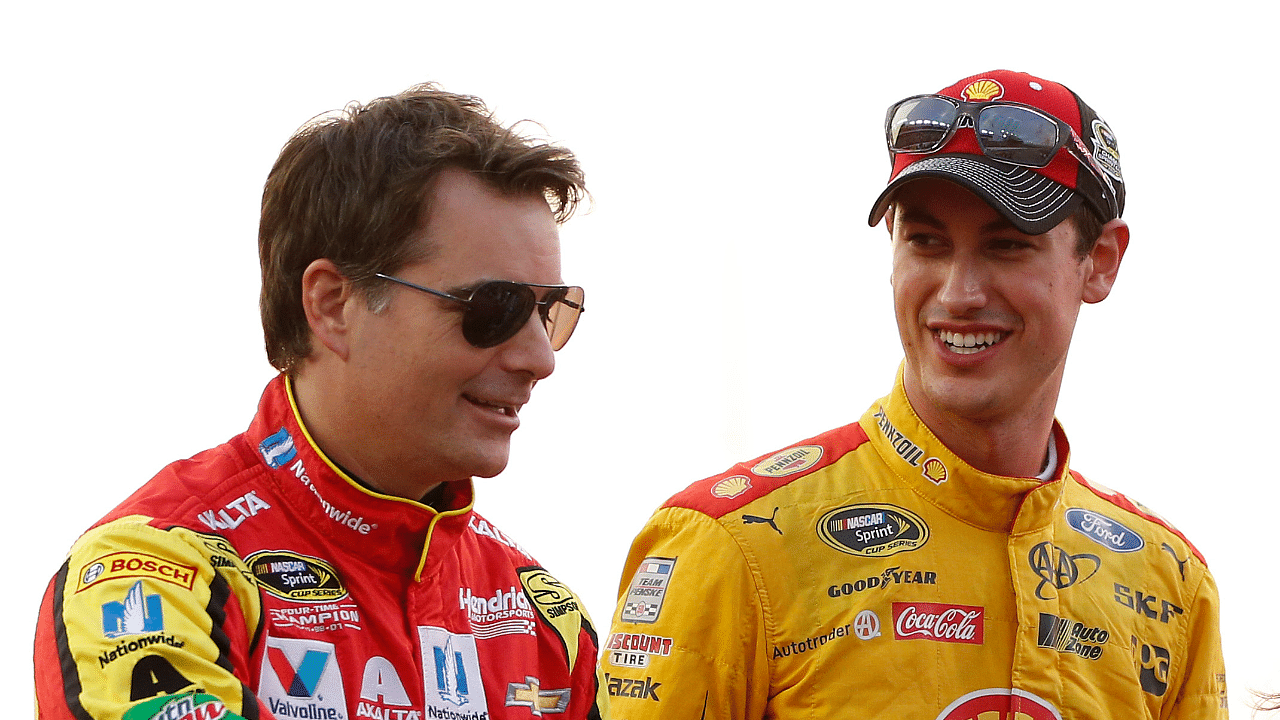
x=326, y=296
x=1105, y=260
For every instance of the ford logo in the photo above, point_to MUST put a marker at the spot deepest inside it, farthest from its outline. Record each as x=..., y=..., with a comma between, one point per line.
x=1103, y=530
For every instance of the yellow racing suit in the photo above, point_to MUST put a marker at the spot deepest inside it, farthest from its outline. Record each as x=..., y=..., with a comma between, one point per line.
x=870, y=573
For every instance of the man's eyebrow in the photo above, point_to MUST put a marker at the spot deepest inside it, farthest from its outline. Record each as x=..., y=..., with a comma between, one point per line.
x=923, y=217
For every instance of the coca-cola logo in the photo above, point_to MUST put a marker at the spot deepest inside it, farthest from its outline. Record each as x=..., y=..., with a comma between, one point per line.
x=938, y=622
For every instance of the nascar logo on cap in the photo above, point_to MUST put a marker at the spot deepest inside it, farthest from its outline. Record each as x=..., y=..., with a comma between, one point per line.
x=982, y=91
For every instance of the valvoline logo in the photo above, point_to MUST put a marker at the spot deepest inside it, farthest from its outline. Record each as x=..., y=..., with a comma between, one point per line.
x=1104, y=531
x=277, y=449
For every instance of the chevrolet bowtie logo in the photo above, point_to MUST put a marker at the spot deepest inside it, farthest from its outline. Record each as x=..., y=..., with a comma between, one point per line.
x=529, y=694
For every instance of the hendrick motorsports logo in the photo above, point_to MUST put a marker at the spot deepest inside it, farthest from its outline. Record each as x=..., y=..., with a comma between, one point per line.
x=296, y=577
x=873, y=530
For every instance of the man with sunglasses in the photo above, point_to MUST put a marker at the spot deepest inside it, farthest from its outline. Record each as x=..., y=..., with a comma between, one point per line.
x=938, y=559
x=328, y=563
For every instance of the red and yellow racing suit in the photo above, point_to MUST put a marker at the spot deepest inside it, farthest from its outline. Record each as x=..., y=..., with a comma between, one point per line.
x=870, y=573
x=258, y=580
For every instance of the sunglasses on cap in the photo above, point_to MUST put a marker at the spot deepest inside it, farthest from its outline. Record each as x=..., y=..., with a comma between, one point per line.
x=1009, y=132
x=496, y=310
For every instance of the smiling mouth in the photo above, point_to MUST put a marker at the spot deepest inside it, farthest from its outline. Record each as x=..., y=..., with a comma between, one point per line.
x=508, y=410
x=968, y=343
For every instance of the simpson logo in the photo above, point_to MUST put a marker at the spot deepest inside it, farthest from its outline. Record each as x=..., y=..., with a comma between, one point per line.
x=873, y=530
x=506, y=612
x=648, y=589
x=295, y=577
x=531, y=695
x=982, y=91
x=136, y=565
x=136, y=614
x=731, y=487
x=1000, y=703
x=634, y=649
x=1071, y=637
x=245, y=507
x=301, y=679
x=866, y=625
x=187, y=706
x=905, y=447
x=1060, y=569
x=451, y=675
x=1103, y=530
x=789, y=462
x=277, y=449
x=938, y=622
x=1105, y=149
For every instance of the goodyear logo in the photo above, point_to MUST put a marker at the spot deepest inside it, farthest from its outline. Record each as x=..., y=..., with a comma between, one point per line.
x=873, y=530
x=296, y=577
x=136, y=565
x=789, y=462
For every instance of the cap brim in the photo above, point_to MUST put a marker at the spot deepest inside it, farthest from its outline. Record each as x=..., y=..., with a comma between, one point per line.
x=1031, y=202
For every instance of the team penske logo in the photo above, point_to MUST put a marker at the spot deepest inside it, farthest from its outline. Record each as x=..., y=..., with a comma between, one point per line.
x=296, y=577
x=136, y=565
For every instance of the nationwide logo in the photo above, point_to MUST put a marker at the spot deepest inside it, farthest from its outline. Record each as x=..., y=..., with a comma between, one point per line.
x=905, y=447
x=301, y=679
x=143, y=643
x=188, y=706
x=938, y=622
x=873, y=530
x=1071, y=637
x=136, y=614
x=789, y=462
x=1103, y=530
x=645, y=689
x=317, y=618
x=1060, y=569
x=451, y=675
x=136, y=565
x=506, y=612
x=634, y=649
x=380, y=686
x=1000, y=703
x=531, y=695
x=298, y=578
x=277, y=449
x=648, y=588
x=342, y=517
x=731, y=487
x=246, y=506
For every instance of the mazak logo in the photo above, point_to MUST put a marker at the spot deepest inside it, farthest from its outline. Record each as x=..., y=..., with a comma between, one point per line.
x=1000, y=703
x=1071, y=637
x=645, y=689
x=633, y=649
x=136, y=614
x=381, y=687
x=505, y=612
x=938, y=622
x=136, y=565
x=295, y=577
x=648, y=589
x=451, y=675
x=277, y=449
x=245, y=506
x=1103, y=530
x=789, y=462
x=1060, y=569
x=872, y=530
x=301, y=679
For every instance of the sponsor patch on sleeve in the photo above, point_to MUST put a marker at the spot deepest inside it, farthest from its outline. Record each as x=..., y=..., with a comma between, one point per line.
x=121, y=565
x=648, y=589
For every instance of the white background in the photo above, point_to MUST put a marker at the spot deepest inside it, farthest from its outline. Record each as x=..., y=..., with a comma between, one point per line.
x=737, y=299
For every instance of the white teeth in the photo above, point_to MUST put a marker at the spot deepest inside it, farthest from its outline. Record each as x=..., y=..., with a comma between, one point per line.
x=969, y=343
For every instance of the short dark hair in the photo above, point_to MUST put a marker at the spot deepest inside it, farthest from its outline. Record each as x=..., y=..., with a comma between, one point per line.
x=354, y=185
x=1088, y=228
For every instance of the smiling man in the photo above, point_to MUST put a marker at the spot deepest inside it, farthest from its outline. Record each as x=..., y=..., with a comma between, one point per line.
x=328, y=563
x=939, y=559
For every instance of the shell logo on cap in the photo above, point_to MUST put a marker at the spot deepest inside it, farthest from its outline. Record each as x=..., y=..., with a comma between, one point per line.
x=982, y=91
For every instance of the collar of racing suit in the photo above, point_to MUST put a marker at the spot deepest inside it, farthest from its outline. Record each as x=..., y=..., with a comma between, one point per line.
x=991, y=502
x=391, y=533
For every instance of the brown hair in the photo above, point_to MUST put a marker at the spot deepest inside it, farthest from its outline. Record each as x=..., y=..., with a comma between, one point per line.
x=352, y=186
x=1088, y=228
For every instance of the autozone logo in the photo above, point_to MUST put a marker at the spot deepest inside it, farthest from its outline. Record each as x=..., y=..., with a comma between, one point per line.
x=938, y=622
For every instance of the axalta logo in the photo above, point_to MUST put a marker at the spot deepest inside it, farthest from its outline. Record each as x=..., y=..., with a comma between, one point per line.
x=938, y=622
x=480, y=526
x=136, y=565
x=382, y=694
x=245, y=506
x=342, y=517
x=634, y=649
x=1101, y=529
x=872, y=530
x=277, y=449
x=504, y=612
x=906, y=448
x=451, y=675
x=301, y=679
x=1000, y=703
x=789, y=462
x=296, y=577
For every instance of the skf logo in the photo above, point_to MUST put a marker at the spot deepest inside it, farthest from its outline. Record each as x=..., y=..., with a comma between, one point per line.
x=1152, y=663
x=731, y=487
x=136, y=565
x=529, y=694
x=1055, y=567
x=137, y=614
x=645, y=689
x=277, y=449
x=1000, y=703
x=789, y=462
x=1144, y=604
x=982, y=91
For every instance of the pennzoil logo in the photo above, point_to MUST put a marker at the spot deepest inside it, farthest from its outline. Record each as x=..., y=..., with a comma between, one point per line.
x=873, y=530
x=789, y=462
x=982, y=91
x=295, y=577
x=906, y=448
x=731, y=487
